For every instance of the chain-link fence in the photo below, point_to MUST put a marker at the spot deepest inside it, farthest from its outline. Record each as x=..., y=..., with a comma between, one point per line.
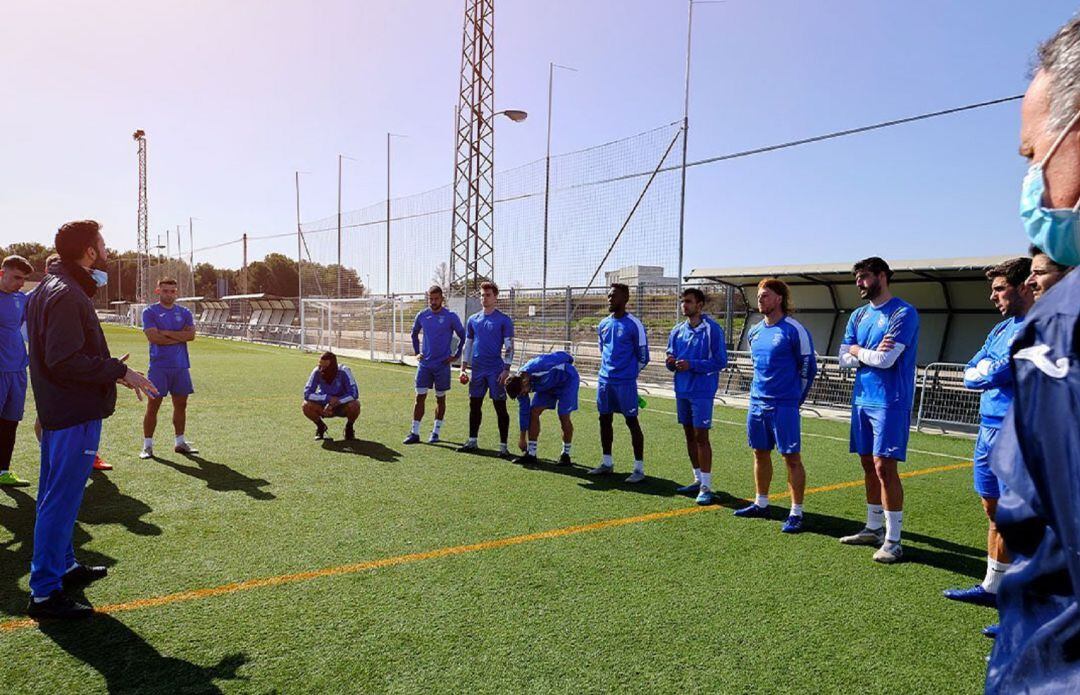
x=943, y=400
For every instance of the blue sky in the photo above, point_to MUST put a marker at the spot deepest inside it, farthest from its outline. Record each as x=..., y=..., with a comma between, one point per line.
x=237, y=95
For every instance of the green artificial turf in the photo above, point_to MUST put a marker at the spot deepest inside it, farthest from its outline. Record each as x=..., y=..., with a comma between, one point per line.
x=702, y=602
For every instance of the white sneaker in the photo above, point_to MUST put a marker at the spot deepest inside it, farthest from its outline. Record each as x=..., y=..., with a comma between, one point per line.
x=636, y=477
x=146, y=453
x=889, y=553
x=602, y=470
x=185, y=448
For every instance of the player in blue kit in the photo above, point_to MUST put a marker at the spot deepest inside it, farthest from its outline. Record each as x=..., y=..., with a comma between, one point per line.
x=553, y=382
x=13, y=360
x=989, y=371
x=331, y=391
x=439, y=326
x=784, y=370
x=880, y=342
x=488, y=352
x=169, y=327
x=696, y=352
x=624, y=352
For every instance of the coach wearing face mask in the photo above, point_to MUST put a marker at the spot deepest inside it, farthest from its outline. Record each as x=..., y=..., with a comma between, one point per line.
x=74, y=380
x=1038, y=455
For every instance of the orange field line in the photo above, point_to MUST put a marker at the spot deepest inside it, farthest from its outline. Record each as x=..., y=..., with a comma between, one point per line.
x=396, y=560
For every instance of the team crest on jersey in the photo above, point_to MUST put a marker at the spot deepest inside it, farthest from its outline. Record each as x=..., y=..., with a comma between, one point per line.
x=881, y=321
x=777, y=339
x=620, y=332
x=489, y=325
x=440, y=319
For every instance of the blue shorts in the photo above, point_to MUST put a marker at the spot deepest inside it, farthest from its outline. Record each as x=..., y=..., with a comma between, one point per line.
x=882, y=432
x=564, y=400
x=171, y=381
x=486, y=383
x=696, y=412
x=986, y=483
x=434, y=375
x=12, y=395
x=769, y=427
x=617, y=397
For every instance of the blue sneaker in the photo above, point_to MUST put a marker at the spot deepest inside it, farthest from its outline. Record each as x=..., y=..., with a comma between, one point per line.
x=413, y=438
x=976, y=595
x=792, y=525
x=991, y=631
x=704, y=496
x=433, y=439
x=753, y=512
x=691, y=489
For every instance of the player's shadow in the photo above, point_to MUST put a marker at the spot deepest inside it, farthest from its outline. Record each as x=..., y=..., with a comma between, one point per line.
x=15, y=552
x=942, y=554
x=652, y=485
x=362, y=447
x=130, y=664
x=104, y=503
x=219, y=477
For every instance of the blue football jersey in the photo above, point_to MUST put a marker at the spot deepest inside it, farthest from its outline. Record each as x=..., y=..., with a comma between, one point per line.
x=784, y=362
x=892, y=387
x=994, y=377
x=439, y=329
x=175, y=318
x=624, y=347
x=13, y=356
x=490, y=336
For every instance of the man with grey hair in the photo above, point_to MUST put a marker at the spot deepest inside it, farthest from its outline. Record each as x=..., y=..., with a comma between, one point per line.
x=1038, y=452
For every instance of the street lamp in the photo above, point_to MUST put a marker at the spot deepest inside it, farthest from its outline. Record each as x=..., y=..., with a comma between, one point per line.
x=515, y=115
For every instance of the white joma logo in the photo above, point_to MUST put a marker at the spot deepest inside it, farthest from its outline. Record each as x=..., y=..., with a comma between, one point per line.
x=1037, y=355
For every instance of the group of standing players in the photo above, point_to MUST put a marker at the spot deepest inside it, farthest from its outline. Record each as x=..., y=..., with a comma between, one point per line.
x=880, y=344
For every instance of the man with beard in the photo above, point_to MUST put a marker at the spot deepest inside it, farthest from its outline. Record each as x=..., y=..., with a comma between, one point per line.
x=989, y=371
x=1037, y=455
x=331, y=391
x=1045, y=273
x=439, y=326
x=74, y=380
x=488, y=352
x=880, y=342
x=169, y=327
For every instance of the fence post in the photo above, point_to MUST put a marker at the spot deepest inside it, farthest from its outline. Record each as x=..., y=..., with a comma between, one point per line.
x=568, y=315
x=303, y=326
x=371, y=333
x=922, y=397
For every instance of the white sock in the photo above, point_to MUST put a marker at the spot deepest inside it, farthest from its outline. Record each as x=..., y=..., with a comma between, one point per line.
x=875, y=516
x=566, y=448
x=761, y=501
x=706, y=480
x=437, y=427
x=503, y=448
x=639, y=466
x=471, y=441
x=606, y=461
x=796, y=510
x=180, y=439
x=995, y=571
x=40, y=599
x=697, y=476
x=73, y=566
x=415, y=427
x=148, y=443
x=893, y=522
x=532, y=448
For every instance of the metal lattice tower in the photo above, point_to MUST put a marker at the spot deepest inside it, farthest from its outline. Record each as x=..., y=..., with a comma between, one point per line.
x=142, y=289
x=472, y=246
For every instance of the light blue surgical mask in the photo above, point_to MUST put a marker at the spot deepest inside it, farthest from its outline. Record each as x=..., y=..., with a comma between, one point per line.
x=1056, y=231
x=101, y=278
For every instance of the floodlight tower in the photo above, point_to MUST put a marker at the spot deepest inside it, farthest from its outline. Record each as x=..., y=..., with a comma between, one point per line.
x=142, y=287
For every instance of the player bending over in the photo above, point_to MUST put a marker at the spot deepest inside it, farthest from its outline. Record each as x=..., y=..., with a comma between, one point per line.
x=489, y=352
x=439, y=326
x=624, y=352
x=553, y=382
x=696, y=353
x=331, y=391
x=784, y=369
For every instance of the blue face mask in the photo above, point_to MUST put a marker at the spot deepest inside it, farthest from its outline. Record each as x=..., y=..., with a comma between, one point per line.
x=101, y=278
x=1056, y=231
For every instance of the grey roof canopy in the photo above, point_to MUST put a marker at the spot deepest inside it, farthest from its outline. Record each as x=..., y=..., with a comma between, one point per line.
x=951, y=294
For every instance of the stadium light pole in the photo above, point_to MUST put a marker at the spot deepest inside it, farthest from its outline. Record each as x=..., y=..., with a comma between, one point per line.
x=340, y=157
x=388, y=136
x=547, y=196
x=686, y=128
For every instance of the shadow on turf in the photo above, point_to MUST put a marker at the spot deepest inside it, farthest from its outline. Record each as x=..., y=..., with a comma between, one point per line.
x=952, y=557
x=362, y=447
x=103, y=503
x=219, y=477
x=661, y=487
x=15, y=553
x=129, y=663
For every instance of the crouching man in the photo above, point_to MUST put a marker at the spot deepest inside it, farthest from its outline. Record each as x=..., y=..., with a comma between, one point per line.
x=331, y=391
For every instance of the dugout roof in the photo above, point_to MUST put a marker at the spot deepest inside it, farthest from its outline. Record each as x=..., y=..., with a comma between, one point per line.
x=951, y=294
